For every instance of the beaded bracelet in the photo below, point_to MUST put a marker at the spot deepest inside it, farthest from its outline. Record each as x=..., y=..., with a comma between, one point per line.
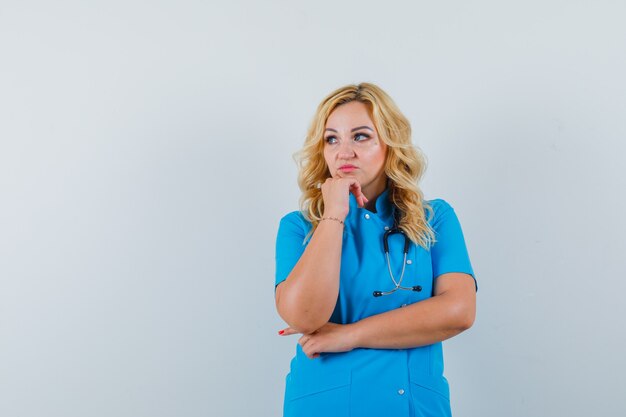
x=333, y=218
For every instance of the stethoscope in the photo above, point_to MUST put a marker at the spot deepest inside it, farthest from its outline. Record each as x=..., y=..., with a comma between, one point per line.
x=407, y=242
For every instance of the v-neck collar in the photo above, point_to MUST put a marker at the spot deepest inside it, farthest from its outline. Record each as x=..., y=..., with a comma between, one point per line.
x=383, y=204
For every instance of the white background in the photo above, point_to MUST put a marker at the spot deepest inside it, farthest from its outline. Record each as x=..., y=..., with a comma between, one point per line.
x=145, y=160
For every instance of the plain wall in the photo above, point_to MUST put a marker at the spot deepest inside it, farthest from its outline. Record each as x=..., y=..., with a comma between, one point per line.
x=145, y=160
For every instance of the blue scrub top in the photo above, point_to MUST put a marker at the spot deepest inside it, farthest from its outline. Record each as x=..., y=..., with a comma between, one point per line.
x=373, y=382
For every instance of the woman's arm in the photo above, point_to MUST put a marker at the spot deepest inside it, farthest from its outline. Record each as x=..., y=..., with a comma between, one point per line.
x=450, y=311
x=307, y=298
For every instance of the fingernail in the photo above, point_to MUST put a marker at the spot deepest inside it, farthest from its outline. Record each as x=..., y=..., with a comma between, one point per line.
x=281, y=331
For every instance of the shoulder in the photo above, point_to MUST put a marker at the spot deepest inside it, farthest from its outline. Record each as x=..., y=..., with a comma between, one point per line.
x=442, y=214
x=295, y=220
x=293, y=227
x=439, y=204
x=294, y=217
x=439, y=208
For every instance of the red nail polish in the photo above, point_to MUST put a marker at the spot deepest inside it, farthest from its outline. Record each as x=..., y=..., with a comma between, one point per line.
x=281, y=331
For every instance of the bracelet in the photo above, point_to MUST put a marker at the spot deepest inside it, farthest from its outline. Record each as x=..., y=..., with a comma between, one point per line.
x=333, y=218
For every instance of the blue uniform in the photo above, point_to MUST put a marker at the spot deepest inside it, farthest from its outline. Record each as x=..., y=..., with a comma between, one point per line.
x=373, y=382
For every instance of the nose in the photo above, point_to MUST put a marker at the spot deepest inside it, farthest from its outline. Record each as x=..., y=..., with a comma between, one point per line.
x=344, y=150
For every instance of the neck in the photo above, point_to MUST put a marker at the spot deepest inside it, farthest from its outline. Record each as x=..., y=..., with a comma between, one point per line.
x=372, y=192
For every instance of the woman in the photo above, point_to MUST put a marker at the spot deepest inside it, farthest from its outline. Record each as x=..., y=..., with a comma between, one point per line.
x=371, y=323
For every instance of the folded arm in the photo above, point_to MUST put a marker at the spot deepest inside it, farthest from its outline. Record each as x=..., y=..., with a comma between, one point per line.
x=449, y=312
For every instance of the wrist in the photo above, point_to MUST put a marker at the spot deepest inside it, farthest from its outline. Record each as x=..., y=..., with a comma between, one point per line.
x=333, y=219
x=337, y=214
x=354, y=335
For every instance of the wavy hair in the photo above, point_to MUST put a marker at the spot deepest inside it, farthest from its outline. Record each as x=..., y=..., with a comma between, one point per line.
x=404, y=164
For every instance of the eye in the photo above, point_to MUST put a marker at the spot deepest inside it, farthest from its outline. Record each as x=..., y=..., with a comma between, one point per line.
x=363, y=135
x=330, y=139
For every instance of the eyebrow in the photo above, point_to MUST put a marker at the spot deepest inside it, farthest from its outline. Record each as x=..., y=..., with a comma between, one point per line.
x=356, y=128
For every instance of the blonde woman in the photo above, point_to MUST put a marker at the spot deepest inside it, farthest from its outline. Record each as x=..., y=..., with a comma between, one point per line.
x=371, y=275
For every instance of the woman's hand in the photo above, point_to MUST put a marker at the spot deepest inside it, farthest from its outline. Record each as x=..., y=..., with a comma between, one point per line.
x=331, y=337
x=335, y=192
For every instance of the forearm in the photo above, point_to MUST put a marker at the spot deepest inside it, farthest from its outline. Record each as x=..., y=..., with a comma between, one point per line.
x=423, y=323
x=308, y=296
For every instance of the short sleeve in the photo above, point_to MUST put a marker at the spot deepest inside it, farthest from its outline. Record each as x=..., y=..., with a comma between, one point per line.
x=290, y=244
x=449, y=253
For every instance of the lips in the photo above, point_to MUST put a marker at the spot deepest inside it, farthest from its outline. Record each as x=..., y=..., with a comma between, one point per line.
x=348, y=166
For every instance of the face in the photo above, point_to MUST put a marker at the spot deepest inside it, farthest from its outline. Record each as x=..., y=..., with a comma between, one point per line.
x=352, y=148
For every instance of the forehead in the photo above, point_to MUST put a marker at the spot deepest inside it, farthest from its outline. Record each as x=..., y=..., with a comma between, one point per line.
x=350, y=115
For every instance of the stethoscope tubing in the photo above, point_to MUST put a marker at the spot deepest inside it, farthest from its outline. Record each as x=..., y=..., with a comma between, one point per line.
x=407, y=243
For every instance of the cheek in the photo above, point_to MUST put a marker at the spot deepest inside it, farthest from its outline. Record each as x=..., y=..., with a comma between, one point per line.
x=328, y=159
x=383, y=155
x=326, y=156
x=377, y=157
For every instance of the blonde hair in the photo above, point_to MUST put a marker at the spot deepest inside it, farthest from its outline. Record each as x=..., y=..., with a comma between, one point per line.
x=404, y=164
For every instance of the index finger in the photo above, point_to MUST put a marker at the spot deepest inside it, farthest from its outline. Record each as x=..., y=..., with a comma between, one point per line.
x=355, y=188
x=287, y=331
